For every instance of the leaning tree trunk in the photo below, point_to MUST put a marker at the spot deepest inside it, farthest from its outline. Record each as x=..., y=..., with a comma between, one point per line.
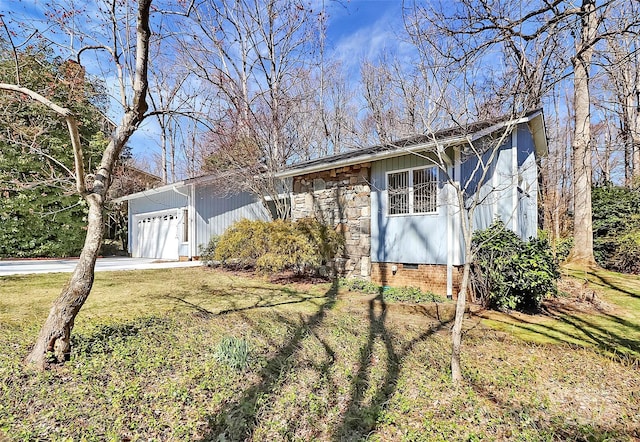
x=53, y=343
x=54, y=339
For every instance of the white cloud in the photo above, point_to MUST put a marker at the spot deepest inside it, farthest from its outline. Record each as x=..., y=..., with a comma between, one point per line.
x=365, y=32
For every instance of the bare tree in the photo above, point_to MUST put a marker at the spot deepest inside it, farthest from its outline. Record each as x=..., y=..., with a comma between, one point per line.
x=55, y=334
x=518, y=28
x=556, y=182
x=254, y=56
x=382, y=119
x=453, y=52
x=620, y=62
x=166, y=102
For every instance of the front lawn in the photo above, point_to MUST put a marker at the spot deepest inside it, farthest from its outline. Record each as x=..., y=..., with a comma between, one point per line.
x=323, y=364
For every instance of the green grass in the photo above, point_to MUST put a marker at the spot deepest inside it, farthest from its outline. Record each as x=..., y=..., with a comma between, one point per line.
x=320, y=365
x=614, y=331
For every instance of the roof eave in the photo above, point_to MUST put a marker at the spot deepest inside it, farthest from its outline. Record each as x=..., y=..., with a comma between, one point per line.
x=447, y=142
x=371, y=157
x=145, y=193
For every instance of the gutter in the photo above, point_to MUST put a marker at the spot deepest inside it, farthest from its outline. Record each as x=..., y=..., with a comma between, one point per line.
x=366, y=158
x=403, y=151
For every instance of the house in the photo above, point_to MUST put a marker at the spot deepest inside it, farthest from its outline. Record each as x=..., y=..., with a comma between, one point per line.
x=176, y=221
x=396, y=204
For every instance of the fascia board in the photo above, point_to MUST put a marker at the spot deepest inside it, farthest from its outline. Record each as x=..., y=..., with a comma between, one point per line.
x=149, y=192
x=372, y=157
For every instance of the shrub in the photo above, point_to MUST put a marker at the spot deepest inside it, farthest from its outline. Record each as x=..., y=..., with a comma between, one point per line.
x=359, y=285
x=278, y=245
x=512, y=274
x=616, y=228
x=563, y=247
x=207, y=253
x=410, y=294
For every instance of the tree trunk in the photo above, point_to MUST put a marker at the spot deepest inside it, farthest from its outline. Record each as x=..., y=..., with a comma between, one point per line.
x=54, y=338
x=456, y=331
x=582, y=251
x=53, y=343
x=635, y=143
x=466, y=221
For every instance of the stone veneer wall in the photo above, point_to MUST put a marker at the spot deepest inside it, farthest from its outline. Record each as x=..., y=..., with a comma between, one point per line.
x=427, y=277
x=341, y=198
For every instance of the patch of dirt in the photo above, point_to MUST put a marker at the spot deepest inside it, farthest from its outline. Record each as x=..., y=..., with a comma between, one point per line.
x=576, y=297
x=295, y=278
x=282, y=278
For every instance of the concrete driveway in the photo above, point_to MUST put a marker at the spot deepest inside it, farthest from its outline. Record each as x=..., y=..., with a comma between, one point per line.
x=27, y=266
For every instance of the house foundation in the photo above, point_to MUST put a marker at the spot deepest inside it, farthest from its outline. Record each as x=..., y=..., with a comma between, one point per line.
x=426, y=277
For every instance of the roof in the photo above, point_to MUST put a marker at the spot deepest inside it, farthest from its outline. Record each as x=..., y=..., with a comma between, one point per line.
x=178, y=187
x=146, y=193
x=137, y=170
x=419, y=143
x=444, y=138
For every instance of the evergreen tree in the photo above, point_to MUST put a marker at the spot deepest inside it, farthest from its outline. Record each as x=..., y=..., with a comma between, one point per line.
x=40, y=214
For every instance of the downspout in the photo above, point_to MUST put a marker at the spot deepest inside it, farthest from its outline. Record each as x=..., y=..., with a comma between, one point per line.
x=134, y=225
x=450, y=234
x=514, y=171
x=453, y=225
x=193, y=234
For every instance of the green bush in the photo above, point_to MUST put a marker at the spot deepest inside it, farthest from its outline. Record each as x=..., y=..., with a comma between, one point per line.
x=410, y=294
x=563, y=247
x=207, y=253
x=359, y=285
x=616, y=228
x=512, y=274
x=302, y=246
x=396, y=294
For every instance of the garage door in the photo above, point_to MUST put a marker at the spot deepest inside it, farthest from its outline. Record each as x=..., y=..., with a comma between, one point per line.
x=157, y=236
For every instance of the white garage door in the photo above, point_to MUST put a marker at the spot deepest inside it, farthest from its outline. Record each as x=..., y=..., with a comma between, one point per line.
x=157, y=236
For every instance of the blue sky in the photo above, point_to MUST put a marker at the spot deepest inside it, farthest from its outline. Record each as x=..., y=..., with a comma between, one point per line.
x=356, y=29
x=360, y=29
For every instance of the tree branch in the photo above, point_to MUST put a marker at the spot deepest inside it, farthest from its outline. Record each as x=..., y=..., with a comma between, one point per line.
x=72, y=125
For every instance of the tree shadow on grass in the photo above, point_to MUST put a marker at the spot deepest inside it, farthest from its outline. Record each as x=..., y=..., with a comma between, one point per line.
x=552, y=427
x=605, y=340
x=364, y=408
x=236, y=307
x=103, y=337
x=598, y=278
x=237, y=420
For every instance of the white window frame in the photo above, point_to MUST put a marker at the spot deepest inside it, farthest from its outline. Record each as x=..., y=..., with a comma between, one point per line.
x=410, y=173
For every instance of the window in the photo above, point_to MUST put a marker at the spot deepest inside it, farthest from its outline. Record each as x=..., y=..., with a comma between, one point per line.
x=185, y=225
x=413, y=191
x=398, y=188
x=425, y=190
